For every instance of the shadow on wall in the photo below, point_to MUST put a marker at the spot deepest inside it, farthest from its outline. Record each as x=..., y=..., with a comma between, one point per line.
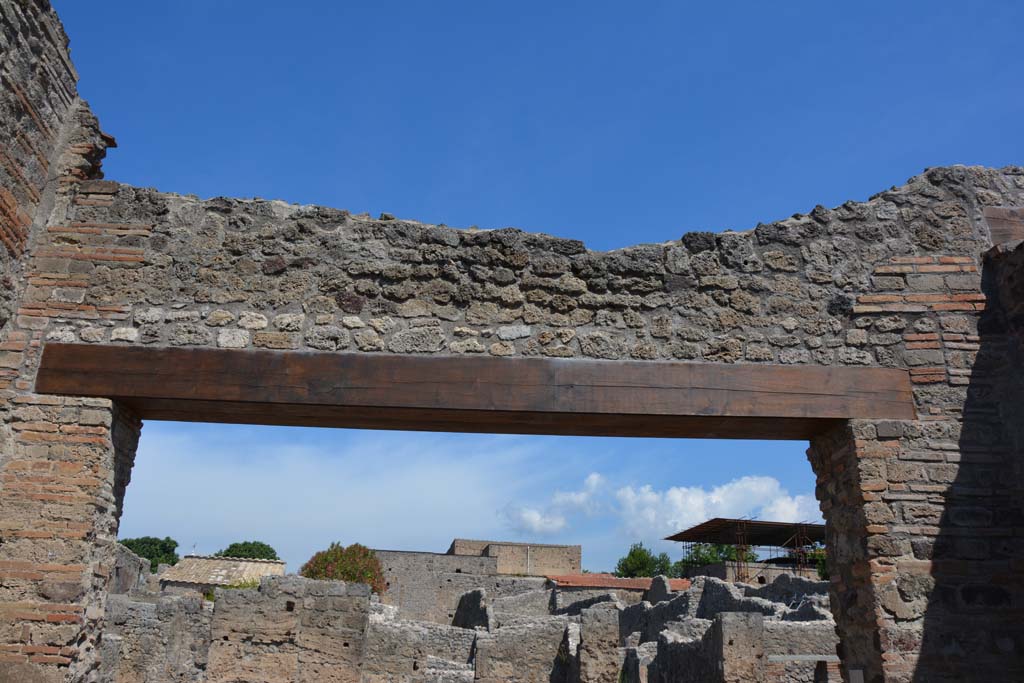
x=973, y=586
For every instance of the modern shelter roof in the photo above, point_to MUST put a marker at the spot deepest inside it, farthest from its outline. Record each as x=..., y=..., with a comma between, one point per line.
x=757, y=532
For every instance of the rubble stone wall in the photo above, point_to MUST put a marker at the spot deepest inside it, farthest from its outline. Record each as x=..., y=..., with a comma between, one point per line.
x=163, y=639
x=130, y=572
x=428, y=586
x=923, y=515
x=296, y=629
x=289, y=629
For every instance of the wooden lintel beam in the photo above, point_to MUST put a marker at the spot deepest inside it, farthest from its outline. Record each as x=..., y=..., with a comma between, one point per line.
x=1006, y=223
x=477, y=394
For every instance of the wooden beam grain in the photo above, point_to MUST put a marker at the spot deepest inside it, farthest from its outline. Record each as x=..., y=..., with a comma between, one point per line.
x=476, y=394
x=1006, y=223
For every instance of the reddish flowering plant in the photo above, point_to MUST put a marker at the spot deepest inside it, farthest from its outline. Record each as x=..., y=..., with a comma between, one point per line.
x=355, y=564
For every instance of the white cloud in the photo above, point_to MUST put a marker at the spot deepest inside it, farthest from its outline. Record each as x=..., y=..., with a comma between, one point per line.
x=585, y=500
x=532, y=520
x=551, y=518
x=651, y=514
x=800, y=508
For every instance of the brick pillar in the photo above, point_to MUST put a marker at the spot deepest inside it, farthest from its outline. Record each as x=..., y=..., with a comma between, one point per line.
x=841, y=476
x=924, y=584
x=63, y=474
x=63, y=461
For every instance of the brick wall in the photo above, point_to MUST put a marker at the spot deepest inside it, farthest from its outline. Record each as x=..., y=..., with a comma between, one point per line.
x=56, y=455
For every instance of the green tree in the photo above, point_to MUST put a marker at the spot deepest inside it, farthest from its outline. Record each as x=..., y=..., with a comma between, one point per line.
x=640, y=561
x=356, y=563
x=255, y=550
x=701, y=554
x=157, y=551
x=816, y=554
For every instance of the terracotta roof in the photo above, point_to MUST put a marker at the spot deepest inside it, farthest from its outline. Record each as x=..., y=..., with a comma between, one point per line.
x=610, y=581
x=208, y=570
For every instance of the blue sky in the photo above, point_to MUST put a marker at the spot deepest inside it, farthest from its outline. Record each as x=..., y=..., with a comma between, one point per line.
x=614, y=123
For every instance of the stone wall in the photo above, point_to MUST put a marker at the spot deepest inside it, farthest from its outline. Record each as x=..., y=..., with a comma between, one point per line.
x=751, y=572
x=428, y=586
x=922, y=515
x=294, y=629
x=524, y=559
x=130, y=571
x=289, y=629
x=162, y=639
x=400, y=651
x=723, y=632
x=892, y=282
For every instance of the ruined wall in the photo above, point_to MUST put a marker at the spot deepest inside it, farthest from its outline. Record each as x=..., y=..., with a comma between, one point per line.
x=428, y=586
x=130, y=572
x=57, y=503
x=295, y=629
x=401, y=651
x=518, y=653
x=289, y=629
x=38, y=89
x=751, y=572
x=163, y=639
x=714, y=633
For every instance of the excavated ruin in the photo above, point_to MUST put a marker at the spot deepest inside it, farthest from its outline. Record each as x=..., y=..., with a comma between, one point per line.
x=296, y=629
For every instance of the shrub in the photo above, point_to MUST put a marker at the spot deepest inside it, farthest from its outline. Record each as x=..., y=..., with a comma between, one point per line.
x=356, y=564
x=253, y=550
x=156, y=550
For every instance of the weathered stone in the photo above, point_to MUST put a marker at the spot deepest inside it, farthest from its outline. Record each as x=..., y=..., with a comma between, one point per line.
x=368, y=340
x=289, y=322
x=502, y=349
x=467, y=346
x=219, y=318
x=233, y=339
x=276, y=340
x=252, y=321
x=418, y=340
x=511, y=332
x=328, y=338
x=127, y=334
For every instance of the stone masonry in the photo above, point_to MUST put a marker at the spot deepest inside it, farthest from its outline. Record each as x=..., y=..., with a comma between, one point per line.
x=524, y=559
x=924, y=516
x=295, y=629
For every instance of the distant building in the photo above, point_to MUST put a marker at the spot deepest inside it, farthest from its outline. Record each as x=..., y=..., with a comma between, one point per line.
x=203, y=573
x=523, y=559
